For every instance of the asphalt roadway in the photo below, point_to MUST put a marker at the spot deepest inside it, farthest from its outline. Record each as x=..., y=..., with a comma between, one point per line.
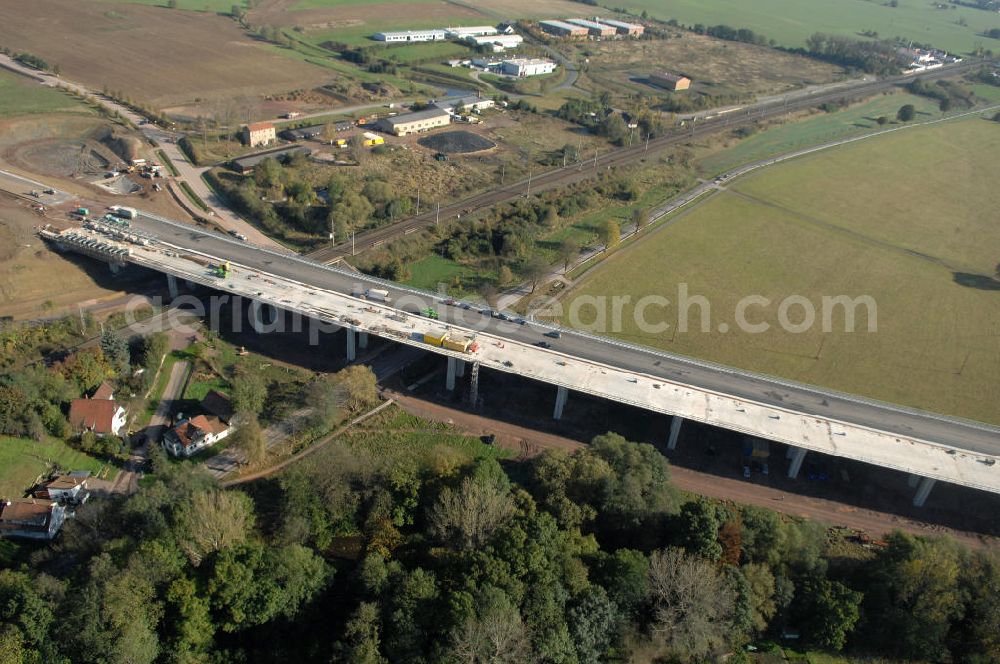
x=812, y=401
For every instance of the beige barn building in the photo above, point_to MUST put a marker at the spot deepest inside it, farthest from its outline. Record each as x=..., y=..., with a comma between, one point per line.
x=665, y=79
x=411, y=123
x=256, y=134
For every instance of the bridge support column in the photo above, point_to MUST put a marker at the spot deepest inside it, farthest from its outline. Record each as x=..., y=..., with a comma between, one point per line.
x=449, y=382
x=352, y=352
x=190, y=284
x=460, y=369
x=913, y=480
x=675, y=430
x=362, y=340
x=924, y=490
x=562, y=396
x=257, y=317
x=172, y=286
x=474, y=385
x=798, y=456
x=116, y=267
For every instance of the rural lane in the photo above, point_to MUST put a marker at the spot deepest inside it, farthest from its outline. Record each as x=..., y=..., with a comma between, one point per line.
x=164, y=409
x=166, y=141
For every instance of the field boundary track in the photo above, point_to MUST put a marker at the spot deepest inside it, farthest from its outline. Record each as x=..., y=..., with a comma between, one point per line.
x=612, y=159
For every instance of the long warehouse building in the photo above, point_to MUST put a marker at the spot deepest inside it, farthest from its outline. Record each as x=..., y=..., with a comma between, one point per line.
x=562, y=29
x=594, y=28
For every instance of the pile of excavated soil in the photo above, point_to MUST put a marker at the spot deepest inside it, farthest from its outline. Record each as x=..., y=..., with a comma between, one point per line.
x=120, y=184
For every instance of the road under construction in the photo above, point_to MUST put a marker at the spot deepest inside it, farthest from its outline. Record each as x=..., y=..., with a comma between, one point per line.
x=929, y=446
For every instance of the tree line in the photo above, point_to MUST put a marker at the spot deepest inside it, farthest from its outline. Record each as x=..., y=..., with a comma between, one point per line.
x=577, y=558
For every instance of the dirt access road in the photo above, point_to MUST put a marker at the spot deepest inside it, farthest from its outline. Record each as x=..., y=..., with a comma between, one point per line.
x=167, y=141
x=526, y=443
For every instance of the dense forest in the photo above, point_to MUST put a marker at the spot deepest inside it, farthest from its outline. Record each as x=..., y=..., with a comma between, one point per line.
x=583, y=557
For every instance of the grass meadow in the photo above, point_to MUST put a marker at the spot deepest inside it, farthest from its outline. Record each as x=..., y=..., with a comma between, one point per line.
x=23, y=460
x=906, y=218
x=790, y=22
x=22, y=96
x=820, y=128
x=213, y=6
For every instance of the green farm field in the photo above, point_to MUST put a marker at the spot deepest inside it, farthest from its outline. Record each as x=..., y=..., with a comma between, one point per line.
x=507, y=9
x=213, y=6
x=907, y=219
x=23, y=460
x=21, y=96
x=790, y=22
x=821, y=128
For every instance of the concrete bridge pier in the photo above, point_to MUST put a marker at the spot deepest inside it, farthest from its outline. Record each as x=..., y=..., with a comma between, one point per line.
x=460, y=369
x=362, y=340
x=562, y=396
x=257, y=317
x=172, y=286
x=190, y=284
x=449, y=382
x=474, y=385
x=924, y=490
x=116, y=267
x=352, y=339
x=675, y=431
x=797, y=455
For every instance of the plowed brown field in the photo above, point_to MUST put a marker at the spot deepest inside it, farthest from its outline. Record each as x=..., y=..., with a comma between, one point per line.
x=152, y=54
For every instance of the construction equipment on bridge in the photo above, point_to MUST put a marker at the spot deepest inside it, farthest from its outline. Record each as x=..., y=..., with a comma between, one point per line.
x=82, y=211
x=430, y=313
x=435, y=337
x=221, y=271
x=450, y=341
x=460, y=343
x=377, y=294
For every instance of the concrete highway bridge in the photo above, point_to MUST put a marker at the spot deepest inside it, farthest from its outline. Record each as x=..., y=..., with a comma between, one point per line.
x=930, y=447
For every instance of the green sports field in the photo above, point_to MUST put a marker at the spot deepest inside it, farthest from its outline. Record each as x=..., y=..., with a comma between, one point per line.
x=790, y=22
x=908, y=219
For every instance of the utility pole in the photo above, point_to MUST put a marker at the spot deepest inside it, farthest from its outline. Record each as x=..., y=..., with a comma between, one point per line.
x=503, y=172
x=437, y=217
x=595, y=158
x=647, y=143
x=418, y=201
x=352, y=243
x=527, y=194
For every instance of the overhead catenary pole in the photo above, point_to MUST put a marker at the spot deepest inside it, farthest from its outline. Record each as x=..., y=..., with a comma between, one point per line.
x=352, y=243
x=437, y=217
x=527, y=194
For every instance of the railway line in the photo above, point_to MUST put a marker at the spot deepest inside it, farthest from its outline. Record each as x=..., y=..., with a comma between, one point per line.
x=614, y=158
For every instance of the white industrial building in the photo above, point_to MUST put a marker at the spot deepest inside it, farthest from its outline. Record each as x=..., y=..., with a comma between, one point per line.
x=522, y=67
x=472, y=31
x=498, y=42
x=411, y=36
x=472, y=103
